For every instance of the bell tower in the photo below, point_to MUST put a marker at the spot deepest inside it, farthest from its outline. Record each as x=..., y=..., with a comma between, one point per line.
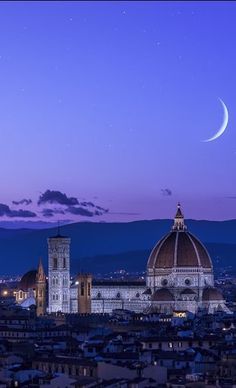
x=41, y=284
x=59, y=273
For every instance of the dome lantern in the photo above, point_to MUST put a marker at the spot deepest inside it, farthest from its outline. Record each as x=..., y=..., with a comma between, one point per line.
x=179, y=220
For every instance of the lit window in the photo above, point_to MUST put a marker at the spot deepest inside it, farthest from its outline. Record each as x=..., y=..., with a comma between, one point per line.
x=170, y=344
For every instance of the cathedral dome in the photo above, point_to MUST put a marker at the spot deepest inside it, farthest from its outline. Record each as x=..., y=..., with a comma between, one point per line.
x=179, y=248
x=28, y=281
x=162, y=295
x=211, y=293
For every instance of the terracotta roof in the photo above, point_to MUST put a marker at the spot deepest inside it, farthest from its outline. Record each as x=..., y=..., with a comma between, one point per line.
x=181, y=249
x=163, y=294
x=28, y=281
x=211, y=293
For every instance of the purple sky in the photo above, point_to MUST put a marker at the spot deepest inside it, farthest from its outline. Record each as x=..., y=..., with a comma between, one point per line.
x=108, y=102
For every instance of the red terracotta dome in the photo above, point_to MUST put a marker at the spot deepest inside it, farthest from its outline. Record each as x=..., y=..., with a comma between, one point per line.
x=162, y=295
x=179, y=248
x=28, y=281
x=211, y=293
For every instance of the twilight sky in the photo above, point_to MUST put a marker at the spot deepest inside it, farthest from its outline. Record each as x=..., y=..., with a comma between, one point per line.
x=108, y=103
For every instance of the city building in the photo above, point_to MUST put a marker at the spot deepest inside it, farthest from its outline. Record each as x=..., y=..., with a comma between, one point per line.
x=32, y=290
x=179, y=277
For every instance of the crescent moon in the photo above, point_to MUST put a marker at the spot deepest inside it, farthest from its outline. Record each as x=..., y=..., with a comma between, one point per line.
x=223, y=125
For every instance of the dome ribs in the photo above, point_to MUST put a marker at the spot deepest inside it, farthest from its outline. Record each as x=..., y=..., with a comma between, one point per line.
x=186, y=255
x=165, y=256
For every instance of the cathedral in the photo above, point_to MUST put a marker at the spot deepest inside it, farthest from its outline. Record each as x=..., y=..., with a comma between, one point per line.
x=179, y=277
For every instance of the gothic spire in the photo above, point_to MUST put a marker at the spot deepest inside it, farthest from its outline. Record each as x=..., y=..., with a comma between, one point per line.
x=40, y=273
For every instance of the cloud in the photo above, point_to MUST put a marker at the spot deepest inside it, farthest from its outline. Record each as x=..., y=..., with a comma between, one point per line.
x=125, y=213
x=90, y=204
x=80, y=211
x=52, y=196
x=68, y=205
x=166, y=192
x=23, y=202
x=52, y=212
x=6, y=211
x=98, y=211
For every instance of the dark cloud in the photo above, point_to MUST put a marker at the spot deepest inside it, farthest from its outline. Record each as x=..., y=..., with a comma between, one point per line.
x=6, y=211
x=90, y=204
x=73, y=206
x=125, y=213
x=80, y=211
x=102, y=209
x=233, y=197
x=98, y=211
x=23, y=202
x=52, y=212
x=166, y=192
x=52, y=196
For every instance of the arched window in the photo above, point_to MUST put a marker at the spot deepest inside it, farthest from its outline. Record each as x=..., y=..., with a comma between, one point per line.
x=82, y=289
x=99, y=295
x=54, y=262
x=65, y=297
x=89, y=289
x=118, y=295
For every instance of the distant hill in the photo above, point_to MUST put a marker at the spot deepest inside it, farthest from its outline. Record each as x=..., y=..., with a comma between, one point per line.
x=21, y=248
x=223, y=255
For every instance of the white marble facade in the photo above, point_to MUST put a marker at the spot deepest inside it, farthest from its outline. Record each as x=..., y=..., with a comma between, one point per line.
x=59, y=274
x=179, y=277
x=110, y=295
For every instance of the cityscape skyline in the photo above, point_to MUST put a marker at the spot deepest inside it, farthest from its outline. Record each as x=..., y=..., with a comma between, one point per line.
x=108, y=105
